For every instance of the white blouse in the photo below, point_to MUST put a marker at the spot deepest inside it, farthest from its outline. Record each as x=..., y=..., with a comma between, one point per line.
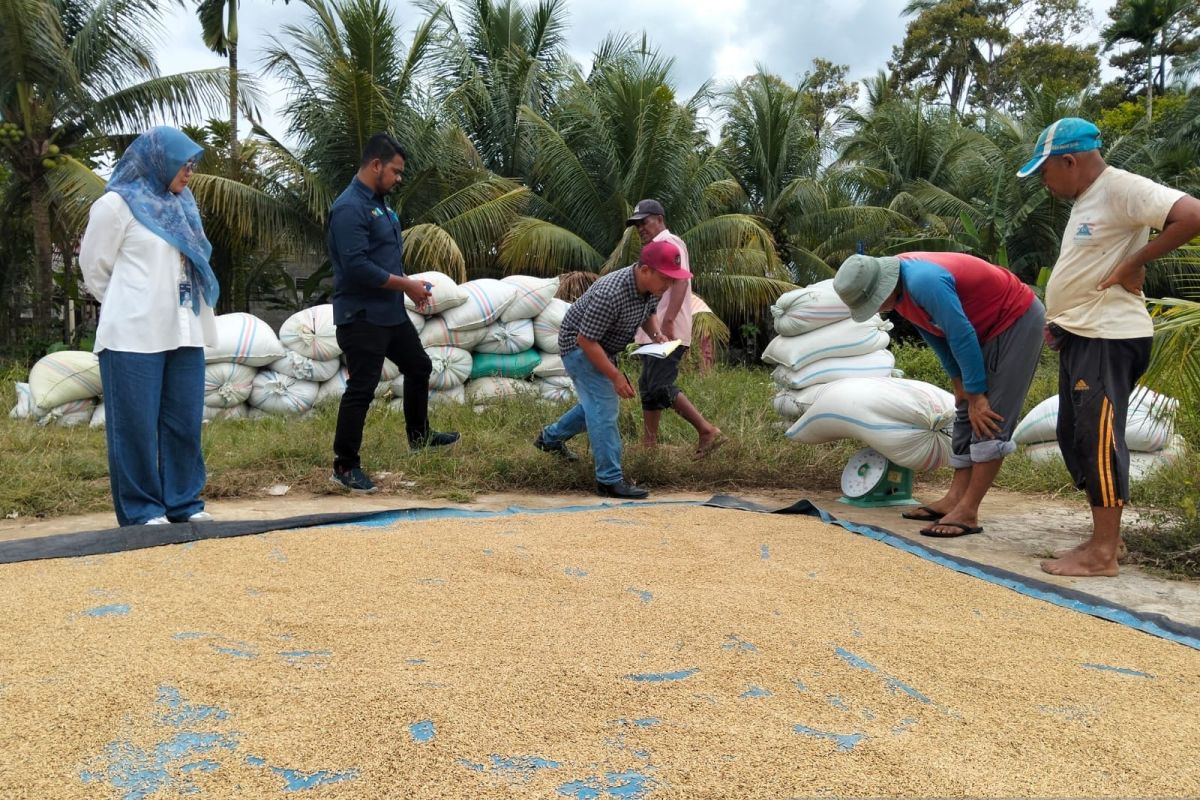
x=136, y=275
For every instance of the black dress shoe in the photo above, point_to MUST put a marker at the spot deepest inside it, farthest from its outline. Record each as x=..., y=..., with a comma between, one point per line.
x=434, y=439
x=621, y=489
x=555, y=448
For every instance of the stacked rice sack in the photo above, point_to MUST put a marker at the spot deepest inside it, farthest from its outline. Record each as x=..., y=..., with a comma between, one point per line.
x=1149, y=432
x=836, y=381
x=487, y=339
x=818, y=343
x=63, y=388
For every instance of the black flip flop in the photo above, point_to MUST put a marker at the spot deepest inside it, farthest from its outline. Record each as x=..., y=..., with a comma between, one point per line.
x=963, y=530
x=922, y=514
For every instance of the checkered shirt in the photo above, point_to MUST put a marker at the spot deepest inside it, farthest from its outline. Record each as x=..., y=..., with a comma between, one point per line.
x=609, y=312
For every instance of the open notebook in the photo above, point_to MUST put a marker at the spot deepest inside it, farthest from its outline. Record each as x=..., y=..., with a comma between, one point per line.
x=658, y=350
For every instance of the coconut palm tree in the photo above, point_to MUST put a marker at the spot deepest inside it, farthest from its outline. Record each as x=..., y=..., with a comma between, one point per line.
x=770, y=148
x=350, y=76
x=617, y=136
x=73, y=72
x=500, y=57
x=1144, y=22
x=219, y=28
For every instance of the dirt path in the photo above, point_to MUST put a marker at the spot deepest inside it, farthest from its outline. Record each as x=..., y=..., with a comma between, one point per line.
x=1019, y=530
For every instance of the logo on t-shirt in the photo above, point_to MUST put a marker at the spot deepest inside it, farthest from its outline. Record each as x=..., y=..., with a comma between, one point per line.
x=1085, y=233
x=1081, y=385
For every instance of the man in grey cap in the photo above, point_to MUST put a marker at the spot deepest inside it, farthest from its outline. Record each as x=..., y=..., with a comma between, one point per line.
x=1097, y=317
x=986, y=328
x=657, y=386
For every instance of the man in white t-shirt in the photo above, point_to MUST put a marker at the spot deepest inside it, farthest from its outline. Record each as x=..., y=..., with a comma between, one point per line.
x=674, y=317
x=1097, y=319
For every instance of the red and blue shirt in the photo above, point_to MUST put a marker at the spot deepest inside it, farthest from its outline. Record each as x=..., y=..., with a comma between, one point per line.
x=959, y=302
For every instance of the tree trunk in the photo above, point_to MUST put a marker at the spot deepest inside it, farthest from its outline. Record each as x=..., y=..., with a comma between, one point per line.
x=43, y=271
x=1150, y=87
x=232, y=36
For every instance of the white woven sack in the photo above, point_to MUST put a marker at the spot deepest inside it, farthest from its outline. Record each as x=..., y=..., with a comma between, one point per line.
x=506, y=338
x=296, y=365
x=547, y=324
x=483, y=390
x=417, y=320
x=1149, y=423
x=246, y=339
x=70, y=415
x=455, y=395
x=446, y=294
x=282, y=394
x=1039, y=424
x=335, y=387
x=803, y=310
x=551, y=366
x=451, y=367
x=25, y=407
x=907, y=421
x=838, y=340
x=227, y=384
x=878, y=364
x=557, y=389
x=792, y=403
x=233, y=412
x=487, y=299
x=64, y=376
x=311, y=333
x=436, y=334
x=1141, y=464
x=533, y=296
x=97, y=420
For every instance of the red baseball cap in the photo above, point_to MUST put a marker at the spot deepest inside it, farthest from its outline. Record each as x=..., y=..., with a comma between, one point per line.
x=664, y=257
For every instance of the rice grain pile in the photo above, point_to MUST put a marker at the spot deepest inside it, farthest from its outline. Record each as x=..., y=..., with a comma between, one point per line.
x=653, y=652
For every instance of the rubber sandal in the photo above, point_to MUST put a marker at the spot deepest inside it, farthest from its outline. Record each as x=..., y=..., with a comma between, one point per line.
x=922, y=514
x=963, y=530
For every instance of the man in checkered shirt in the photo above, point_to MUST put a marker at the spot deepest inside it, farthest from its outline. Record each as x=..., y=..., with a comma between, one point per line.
x=597, y=327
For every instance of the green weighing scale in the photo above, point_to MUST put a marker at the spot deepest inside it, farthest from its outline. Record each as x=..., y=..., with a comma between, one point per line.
x=870, y=480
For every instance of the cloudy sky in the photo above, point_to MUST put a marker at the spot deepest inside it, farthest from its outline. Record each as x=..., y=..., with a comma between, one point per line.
x=719, y=39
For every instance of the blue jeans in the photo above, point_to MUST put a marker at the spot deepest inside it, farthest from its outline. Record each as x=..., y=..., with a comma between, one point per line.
x=153, y=406
x=596, y=413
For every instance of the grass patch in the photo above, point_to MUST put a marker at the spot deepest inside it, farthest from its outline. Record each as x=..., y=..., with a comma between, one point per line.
x=55, y=471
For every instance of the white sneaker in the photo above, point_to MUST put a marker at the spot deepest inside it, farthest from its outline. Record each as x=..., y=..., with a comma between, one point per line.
x=157, y=521
x=201, y=516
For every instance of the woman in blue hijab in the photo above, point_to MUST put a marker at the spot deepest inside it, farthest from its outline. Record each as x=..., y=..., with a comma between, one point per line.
x=145, y=258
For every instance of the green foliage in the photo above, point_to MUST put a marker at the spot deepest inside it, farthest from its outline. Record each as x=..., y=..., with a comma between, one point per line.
x=919, y=363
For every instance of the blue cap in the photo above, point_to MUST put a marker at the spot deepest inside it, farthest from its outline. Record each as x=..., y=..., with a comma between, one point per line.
x=1067, y=135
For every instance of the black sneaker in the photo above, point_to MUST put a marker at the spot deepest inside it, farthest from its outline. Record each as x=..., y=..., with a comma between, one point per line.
x=556, y=448
x=353, y=479
x=621, y=489
x=434, y=439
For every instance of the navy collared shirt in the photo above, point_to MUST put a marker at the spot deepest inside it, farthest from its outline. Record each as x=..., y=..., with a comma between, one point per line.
x=366, y=249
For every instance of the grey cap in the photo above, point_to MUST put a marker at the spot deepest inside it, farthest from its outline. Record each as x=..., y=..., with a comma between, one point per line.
x=865, y=282
x=645, y=208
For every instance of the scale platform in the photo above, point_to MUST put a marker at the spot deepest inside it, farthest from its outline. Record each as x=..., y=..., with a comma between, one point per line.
x=870, y=480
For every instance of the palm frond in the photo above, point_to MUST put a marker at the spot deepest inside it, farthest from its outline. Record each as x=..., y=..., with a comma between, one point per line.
x=428, y=247
x=537, y=247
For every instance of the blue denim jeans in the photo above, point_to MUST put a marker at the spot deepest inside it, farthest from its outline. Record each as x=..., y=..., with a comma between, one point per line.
x=153, y=406
x=596, y=413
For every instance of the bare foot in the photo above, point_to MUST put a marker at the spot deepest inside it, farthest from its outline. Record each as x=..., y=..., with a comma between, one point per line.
x=1083, y=562
x=709, y=441
x=648, y=444
x=1122, y=550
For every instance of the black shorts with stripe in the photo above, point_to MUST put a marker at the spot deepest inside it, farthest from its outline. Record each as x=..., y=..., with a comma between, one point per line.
x=1095, y=379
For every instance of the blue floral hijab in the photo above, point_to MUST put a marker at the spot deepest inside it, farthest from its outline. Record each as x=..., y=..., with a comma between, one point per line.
x=142, y=178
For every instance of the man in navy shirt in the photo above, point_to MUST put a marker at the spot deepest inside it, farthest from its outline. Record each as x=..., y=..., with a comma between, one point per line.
x=369, y=286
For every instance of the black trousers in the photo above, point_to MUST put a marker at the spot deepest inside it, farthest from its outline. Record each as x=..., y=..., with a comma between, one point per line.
x=365, y=346
x=1095, y=379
